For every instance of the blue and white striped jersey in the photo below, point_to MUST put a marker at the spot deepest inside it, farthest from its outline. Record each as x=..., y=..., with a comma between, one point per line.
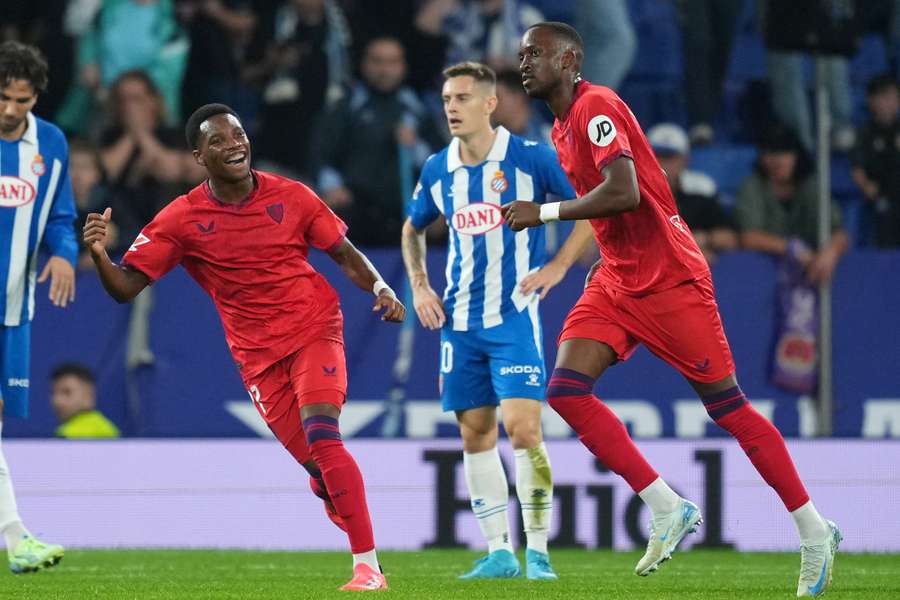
x=36, y=204
x=486, y=261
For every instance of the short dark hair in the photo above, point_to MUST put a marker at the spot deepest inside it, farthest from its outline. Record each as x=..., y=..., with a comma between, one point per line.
x=564, y=31
x=20, y=61
x=75, y=370
x=510, y=78
x=881, y=83
x=479, y=72
x=192, y=127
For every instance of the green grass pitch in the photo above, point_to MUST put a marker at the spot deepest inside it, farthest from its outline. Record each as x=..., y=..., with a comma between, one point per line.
x=432, y=574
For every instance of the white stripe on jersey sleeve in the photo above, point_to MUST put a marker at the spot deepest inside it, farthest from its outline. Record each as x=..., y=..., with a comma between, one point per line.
x=467, y=256
x=524, y=191
x=493, y=242
x=18, y=249
x=42, y=224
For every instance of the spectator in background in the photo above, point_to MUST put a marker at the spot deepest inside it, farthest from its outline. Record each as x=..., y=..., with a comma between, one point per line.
x=695, y=192
x=777, y=207
x=356, y=146
x=73, y=395
x=300, y=59
x=145, y=161
x=118, y=36
x=486, y=31
x=88, y=187
x=876, y=159
x=610, y=42
x=219, y=31
x=515, y=111
x=707, y=33
x=790, y=97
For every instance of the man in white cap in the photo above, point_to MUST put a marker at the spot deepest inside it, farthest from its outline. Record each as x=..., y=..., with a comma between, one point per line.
x=695, y=192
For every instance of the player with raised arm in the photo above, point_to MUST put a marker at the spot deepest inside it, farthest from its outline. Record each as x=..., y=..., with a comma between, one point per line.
x=652, y=287
x=244, y=236
x=491, y=339
x=37, y=209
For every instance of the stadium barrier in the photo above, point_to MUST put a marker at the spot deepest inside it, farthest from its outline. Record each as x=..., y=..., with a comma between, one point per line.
x=251, y=494
x=192, y=388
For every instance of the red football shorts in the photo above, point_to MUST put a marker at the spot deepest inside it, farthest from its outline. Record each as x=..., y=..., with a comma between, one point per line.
x=680, y=325
x=314, y=374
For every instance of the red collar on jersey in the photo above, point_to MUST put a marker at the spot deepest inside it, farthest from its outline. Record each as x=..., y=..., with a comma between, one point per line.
x=244, y=201
x=581, y=86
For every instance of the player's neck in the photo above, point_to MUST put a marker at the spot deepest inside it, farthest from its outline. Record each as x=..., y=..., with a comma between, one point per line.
x=560, y=100
x=473, y=149
x=231, y=192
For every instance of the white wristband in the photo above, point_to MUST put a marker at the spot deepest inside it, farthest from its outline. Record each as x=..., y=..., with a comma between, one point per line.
x=550, y=212
x=380, y=285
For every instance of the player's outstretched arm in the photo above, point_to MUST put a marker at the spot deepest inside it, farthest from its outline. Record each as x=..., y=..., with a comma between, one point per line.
x=427, y=303
x=552, y=273
x=120, y=283
x=619, y=193
x=363, y=273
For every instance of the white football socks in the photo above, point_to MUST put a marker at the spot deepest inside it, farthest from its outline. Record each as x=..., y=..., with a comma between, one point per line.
x=534, y=487
x=10, y=523
x=489, y=495
x=659, y=497
x=810, y=525
x=367, y=558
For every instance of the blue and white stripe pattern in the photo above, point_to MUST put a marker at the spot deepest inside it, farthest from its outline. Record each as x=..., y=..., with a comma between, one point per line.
x=36, y=204
x=485, y=260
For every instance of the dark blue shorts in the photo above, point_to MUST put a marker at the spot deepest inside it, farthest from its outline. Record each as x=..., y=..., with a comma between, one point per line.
x=15, y=355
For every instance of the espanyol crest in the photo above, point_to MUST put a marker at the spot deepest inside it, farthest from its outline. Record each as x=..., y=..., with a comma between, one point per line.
x=499, y=183
x=37, y=165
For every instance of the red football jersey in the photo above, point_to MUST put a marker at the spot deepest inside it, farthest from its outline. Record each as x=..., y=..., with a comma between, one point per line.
x=646, y=250
x=251, y=258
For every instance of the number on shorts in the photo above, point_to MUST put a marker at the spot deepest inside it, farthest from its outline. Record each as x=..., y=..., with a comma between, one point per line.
x=256, y=398
x=446, y=357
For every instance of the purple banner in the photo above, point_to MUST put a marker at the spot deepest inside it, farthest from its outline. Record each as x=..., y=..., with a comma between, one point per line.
x=795, y=352
x=251, y=494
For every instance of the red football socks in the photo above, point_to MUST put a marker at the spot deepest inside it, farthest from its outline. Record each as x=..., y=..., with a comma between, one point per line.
x=761, y=442
x=570, y=393
x=343, y=480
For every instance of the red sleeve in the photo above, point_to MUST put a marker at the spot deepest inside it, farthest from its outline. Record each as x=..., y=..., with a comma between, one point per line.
x=605, y=123
x=157, y=248
x=324, y=229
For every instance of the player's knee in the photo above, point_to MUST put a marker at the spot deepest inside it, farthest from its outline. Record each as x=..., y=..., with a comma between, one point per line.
x=524, y=432
x=478, y=442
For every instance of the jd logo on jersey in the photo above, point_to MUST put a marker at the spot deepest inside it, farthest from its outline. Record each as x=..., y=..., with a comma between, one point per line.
x=477, y=218
x=15, y=192
x=601, y=131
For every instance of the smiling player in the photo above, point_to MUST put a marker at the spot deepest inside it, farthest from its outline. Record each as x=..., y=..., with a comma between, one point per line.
x=491, y=340
x=244, y=236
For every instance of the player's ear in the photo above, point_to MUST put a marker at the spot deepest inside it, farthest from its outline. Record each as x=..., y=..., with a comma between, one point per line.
x=199, y=158
x=568, y=59
x=490, y=104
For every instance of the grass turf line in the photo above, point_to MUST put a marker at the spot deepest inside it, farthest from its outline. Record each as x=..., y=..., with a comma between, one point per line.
x=208, y=574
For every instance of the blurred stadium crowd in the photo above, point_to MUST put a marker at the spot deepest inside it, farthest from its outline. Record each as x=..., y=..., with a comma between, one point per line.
x=331, y=89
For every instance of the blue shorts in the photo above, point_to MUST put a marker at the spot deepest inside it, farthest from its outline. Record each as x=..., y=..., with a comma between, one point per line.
x=15, y=354
x=484, y=366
